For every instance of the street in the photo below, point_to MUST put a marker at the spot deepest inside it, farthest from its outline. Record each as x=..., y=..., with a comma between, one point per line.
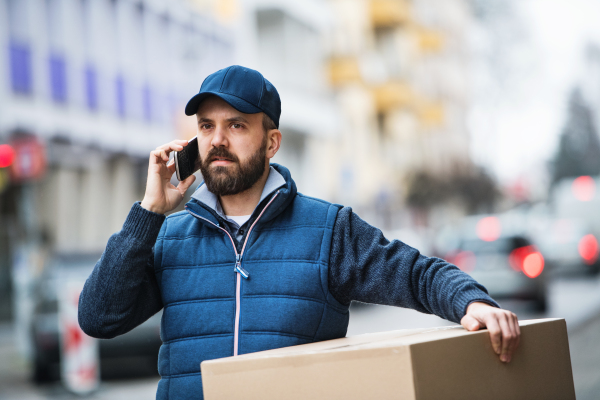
x=576, y=299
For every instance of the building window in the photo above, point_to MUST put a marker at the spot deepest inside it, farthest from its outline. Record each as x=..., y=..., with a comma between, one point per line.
x=19, y=51
x=91, y=88
x=120, y=95
x=58, y=78
x=20, y=68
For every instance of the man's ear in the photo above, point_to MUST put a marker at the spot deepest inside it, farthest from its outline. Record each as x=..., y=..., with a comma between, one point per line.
x=273, y=142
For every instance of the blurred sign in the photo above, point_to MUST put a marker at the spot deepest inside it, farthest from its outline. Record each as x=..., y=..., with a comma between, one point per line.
x=29, y=161
x=79, y=353
x=7, y=155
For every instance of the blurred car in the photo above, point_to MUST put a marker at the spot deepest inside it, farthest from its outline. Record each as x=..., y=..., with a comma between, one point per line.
x=500, y=255
x=135, y=352
x=568, y=245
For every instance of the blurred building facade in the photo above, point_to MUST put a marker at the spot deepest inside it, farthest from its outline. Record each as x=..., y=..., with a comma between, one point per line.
x=371, y=90
x=87, y=89
x=400, y=70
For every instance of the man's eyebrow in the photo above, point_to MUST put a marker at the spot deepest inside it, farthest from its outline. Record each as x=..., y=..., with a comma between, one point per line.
x=238, y=118
x=204, y=119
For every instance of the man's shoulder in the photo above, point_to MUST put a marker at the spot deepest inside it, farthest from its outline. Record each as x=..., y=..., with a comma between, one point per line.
x=315, y=201
x=175, y=221
x=310, y=210
x=178, y=215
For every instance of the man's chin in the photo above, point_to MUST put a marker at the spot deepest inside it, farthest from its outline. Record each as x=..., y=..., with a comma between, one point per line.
x=222, y=169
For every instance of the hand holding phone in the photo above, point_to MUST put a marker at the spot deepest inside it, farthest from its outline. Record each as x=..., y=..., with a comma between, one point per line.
x=187, y=161
x=161, y=195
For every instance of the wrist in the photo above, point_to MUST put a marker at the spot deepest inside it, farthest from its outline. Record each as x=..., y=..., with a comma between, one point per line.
x=477, y=304
x=143, y=224
x=151, y=207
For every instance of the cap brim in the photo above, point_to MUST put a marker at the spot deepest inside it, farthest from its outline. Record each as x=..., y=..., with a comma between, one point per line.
x=239, y=104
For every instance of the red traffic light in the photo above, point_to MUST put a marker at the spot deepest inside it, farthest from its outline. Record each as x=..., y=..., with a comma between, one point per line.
x=7, y=155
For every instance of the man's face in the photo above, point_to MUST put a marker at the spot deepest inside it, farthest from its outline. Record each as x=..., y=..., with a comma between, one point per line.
x=232, y=145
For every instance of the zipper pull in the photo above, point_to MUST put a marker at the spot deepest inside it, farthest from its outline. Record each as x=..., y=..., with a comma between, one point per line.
x=238, y=267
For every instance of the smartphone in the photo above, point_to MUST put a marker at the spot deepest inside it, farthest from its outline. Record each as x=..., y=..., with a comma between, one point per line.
x=187, y=160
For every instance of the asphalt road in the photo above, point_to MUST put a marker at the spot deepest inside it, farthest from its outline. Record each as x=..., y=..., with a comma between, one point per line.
x=575, y=299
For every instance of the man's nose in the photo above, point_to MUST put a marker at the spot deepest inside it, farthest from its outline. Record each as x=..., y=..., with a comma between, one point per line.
x=219, y=137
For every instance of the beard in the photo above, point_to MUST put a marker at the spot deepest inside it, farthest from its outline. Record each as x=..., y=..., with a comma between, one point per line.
x=236, y=177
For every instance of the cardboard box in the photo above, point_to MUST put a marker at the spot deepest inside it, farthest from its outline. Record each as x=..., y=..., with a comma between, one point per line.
x=438, y=363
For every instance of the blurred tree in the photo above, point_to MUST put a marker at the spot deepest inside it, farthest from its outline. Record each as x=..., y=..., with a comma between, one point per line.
x=471, y=187
x=579, y=148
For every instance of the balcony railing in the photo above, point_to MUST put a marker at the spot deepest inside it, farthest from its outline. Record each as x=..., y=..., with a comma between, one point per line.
x=344, y=70
x=392, y=95
x=430, y=40
x=431, y=113
x=389, y=13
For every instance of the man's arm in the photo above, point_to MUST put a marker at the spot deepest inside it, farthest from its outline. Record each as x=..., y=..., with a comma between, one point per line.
x=122, y=292
x=366, y=267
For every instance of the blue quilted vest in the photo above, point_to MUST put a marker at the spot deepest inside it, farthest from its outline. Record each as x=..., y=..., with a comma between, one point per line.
x=218, y=303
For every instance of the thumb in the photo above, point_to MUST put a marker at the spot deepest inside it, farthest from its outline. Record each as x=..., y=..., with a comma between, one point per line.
x=470, y=323
x=185, y=184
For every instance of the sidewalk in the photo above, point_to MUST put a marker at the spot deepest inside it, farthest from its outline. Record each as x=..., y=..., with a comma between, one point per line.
x=16, y=385
x=585, y=358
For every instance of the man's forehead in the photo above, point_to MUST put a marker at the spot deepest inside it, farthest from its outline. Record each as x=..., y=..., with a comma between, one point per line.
x=213, y=107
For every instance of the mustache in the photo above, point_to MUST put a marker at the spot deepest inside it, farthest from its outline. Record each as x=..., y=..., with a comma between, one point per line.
x=220, y=152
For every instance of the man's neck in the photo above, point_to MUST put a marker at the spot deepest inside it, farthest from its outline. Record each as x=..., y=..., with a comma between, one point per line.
x=245, y=202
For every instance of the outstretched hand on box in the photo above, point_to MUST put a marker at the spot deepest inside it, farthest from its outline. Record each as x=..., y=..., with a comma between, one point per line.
x=503, y=326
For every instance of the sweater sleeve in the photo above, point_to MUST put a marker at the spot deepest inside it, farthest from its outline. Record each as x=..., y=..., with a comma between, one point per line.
x=366, y=267
x=122, y=292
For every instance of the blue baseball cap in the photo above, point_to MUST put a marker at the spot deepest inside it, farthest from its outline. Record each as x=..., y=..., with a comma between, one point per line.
x=243, y=88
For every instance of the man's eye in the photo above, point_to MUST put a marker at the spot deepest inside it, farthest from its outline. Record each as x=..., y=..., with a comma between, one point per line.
x=205, y=126
x=236, y=126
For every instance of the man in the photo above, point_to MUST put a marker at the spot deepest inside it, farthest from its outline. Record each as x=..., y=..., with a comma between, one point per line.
x=252, y=264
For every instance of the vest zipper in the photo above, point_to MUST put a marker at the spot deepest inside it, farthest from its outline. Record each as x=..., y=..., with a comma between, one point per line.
x=238, y=267
x=241, y=272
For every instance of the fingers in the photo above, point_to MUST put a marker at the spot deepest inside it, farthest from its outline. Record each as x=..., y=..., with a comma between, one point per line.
x=507, y=339
x=504, y=333
x=161, y=153
x=185, y=184
x=495, y=334
x=470, y=323
x=502, y=325
x=514, y=336
x=171, y=167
